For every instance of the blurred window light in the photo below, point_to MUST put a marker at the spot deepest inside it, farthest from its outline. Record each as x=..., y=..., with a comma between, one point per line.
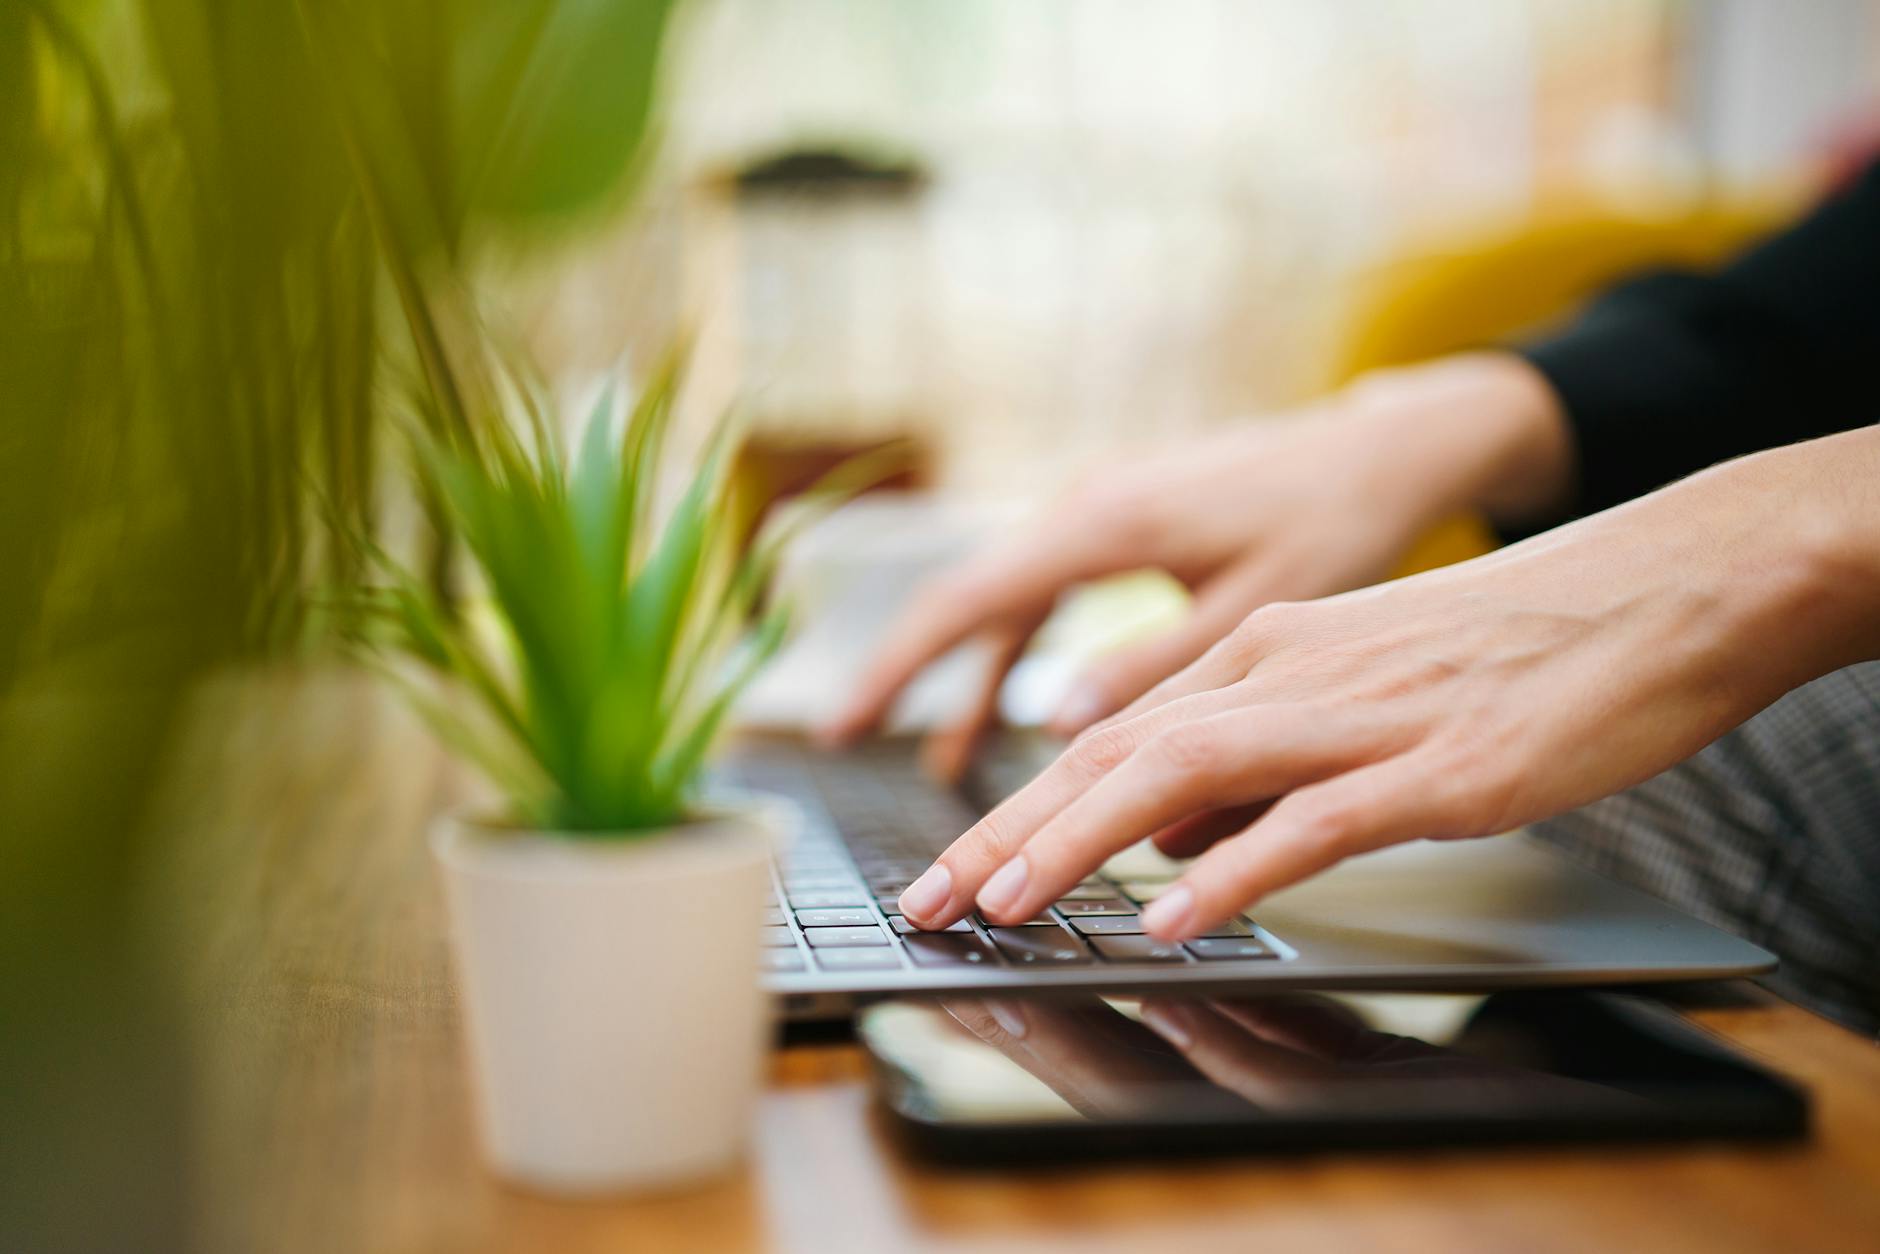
x=1134, y=220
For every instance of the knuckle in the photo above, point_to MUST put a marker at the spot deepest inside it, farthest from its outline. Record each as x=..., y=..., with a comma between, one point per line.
x=1103, y=750
x=1474, y=778
x=1124, y=511
x=1101, y=494
x=1325, y=826
x=1275, y=620
x=937, y=591
x=1475, y=798
x=1259, y=631
x=989, y=840
x=1189, y=749
x=969, y=582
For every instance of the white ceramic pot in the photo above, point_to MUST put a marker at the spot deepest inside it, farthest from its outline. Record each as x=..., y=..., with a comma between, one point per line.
x=609, y=989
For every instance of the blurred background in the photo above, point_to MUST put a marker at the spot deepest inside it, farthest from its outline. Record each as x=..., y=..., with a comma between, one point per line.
x=244, y=244
x=1026, y=235
x=1028, y=232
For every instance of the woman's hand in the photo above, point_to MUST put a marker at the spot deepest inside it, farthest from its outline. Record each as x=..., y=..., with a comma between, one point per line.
x=1462, y=702
x=1104, y=1064
x=1270, y=511
x=1313, y=1054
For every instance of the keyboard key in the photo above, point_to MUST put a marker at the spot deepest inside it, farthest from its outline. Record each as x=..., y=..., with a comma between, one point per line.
x=812, y=846
x=1109, y=925
x=843, y=897
x=783, y=960
x=832, y=865
x=773, y=917
x=905, y=928
x=851, y=916
x=903, y=870
x=1229, y=949
x=858, y=959
x=1028, y=946
x=778, y=938
x=1039, y=920
x=1099, y=905
x=844, y=937
x=1233, y=927
x=942, y=949
x=1142, y=892
x=826, y=882
x=1090, y=892
x=1136, y=949
x=827, y=899
x=804, y=874
x=889, y=905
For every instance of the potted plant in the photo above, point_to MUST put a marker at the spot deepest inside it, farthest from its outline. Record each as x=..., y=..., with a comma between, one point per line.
x=604, y=913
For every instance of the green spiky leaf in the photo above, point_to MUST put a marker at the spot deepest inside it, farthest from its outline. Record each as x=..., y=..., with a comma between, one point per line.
x=611, y=645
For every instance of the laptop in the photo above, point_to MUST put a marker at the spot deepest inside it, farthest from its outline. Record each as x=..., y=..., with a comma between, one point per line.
x=1503, y=912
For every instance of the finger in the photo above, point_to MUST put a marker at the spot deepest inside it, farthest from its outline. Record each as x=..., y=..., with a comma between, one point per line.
x=945, y=892
x=1086, y=1052
x=1226, y=661
x=1113, y=682
x=1398, y=799
x=1189, y=767
x=1316, y=1026
x=998, y=1023
x=1328, y=1031
x=1019, y=582
x=1263, y=1073
x=1197, y=833
x=948, y=751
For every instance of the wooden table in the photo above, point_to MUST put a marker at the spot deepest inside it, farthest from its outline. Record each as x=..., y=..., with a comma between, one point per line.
x=334, y=1105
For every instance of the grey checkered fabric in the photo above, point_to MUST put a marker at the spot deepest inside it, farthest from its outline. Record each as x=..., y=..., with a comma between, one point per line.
x=1772, y=833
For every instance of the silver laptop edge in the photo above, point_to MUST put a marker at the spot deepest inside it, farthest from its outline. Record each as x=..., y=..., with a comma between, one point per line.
x=1507, y=911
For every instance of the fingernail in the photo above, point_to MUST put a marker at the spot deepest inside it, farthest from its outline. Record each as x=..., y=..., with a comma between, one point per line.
x=1083, y=706
x=1004, y=886
x=1170, y=1022
x=1168, y=916
x=1008, y=1016
x=926, y=896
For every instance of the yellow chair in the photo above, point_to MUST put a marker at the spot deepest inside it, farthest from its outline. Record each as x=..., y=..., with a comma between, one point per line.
x=1492, y=287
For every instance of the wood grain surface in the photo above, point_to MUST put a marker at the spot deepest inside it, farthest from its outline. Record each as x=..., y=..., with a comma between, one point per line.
x=333, y=1106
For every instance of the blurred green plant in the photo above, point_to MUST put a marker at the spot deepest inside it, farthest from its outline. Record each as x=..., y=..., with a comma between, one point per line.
x=468, y=122
x=236, y=238
x=200, y=201
x=611, y=644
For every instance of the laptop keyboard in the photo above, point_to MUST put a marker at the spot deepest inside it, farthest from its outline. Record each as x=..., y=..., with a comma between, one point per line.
x=873, y=822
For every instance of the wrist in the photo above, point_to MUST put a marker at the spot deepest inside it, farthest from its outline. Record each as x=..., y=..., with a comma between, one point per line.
x=1824, y=496
x=1473, y=432
x=1782, y=549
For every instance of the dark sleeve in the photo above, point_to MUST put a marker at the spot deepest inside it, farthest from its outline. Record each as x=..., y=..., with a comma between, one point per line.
x=1673, y=372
